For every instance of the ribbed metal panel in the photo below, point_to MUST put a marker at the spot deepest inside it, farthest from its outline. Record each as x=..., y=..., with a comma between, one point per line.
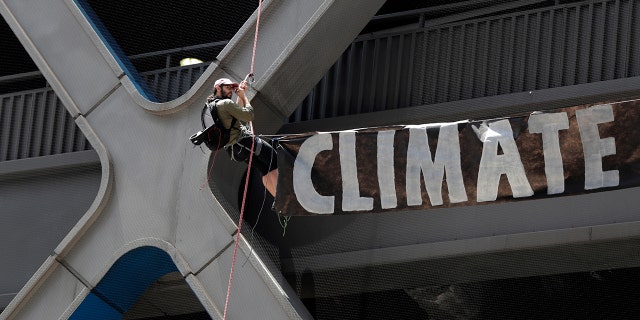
x=528, y=50
x=372, y=75
x=531, y=50
x=171, y=83
x=34, y=124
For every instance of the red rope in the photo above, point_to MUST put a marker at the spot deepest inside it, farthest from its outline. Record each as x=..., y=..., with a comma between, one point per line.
x=255, y=38
x=235, y=248
x=246, y=182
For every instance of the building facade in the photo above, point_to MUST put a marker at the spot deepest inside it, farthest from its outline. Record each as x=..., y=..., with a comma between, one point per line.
x=105, y=205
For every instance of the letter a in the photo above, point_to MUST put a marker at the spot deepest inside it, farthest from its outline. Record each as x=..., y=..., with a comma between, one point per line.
x=493, y=165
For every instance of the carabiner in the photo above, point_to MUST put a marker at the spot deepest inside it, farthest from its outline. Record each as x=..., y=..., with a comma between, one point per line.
x=249, y=77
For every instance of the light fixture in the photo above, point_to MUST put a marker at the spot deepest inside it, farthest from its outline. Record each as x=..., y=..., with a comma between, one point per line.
x=189, y=61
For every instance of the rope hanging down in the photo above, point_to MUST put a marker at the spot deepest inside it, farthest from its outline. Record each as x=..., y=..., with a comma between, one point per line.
x=246, y=182
x=255, y=39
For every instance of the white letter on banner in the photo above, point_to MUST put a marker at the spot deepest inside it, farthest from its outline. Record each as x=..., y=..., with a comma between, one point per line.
x=307, y=196
x=386, y=173
x=447, y=157
x=351, y=199
x=549, y=124
x=493, y=165
x=595, y=148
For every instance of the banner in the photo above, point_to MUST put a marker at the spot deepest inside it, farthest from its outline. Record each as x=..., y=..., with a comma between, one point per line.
x=567, y=151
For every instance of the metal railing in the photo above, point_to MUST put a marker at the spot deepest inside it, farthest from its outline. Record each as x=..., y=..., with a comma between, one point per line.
x=428, y=63
x=35, y=123
x=537, y=49
x=202, y=51
x=170, y=83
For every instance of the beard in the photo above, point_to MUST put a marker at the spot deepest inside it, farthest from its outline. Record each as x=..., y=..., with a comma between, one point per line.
x=221, y=94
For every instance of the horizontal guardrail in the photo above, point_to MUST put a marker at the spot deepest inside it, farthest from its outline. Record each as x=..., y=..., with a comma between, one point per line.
x=537, y=49
x=426, y=63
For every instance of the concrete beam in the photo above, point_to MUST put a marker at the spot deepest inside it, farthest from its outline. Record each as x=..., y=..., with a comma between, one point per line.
x=150, y=190
x=471, y=260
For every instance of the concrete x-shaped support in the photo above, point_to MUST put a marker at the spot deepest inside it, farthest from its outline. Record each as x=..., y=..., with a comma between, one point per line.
x=151, y=189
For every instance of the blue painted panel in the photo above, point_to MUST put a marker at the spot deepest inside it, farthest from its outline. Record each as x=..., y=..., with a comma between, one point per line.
x=125, y=282
x=94, y=308
x=115, y=50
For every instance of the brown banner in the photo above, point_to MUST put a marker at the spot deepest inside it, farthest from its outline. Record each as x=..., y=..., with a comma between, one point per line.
x=567, y=151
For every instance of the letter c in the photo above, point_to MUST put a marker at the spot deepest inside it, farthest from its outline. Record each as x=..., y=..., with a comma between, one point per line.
x=303, y=187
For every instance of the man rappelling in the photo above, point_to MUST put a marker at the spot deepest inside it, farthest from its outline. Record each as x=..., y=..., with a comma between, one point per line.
x=236, y=116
